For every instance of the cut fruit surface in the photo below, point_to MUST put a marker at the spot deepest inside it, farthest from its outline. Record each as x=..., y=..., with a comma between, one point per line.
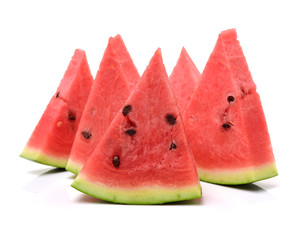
x=225, y=122
x=116, y=78
x=184, y=79
x=144, y=157
x=52, y=138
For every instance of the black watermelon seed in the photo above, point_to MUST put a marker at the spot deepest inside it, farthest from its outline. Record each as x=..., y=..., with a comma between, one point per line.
x=57, y=94
x=86, y=134
x=116, y=161
x=226, y=126
x=130, y=132
x=230, y=98
x=171, y=119
x=172, y=146
x=127, y=109
x=71, y=116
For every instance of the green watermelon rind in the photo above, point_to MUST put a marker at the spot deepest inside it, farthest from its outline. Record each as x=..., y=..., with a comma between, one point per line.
x=149, y=195
x=239, y=176
x=40, y=157
x=73, y=166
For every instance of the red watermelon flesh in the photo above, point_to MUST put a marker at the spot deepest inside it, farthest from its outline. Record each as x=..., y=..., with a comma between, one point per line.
x=52, y=139
x=184, y=79
x=116, y=78
x=144, y=157
x=225, y=122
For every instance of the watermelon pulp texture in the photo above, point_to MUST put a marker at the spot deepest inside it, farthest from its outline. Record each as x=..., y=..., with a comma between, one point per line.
x=52, y=139
x=144, y=157
x=225, y=122
x=115, y=79
x=184, y=79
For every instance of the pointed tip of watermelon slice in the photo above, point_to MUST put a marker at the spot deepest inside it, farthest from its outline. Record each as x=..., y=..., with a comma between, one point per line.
x=115, y=47
x=156, y=62
x=185, y=59
x=183, y=50
x=156, y=58
x=79, y=51
x=158, y=51
x=80, y=55
x=115, y=39
x=184, y=56
x=229, y=33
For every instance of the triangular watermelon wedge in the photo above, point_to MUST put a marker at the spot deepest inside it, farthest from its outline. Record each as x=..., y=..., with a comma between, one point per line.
x=52, y=139
x=115, y=80
x=225, y=122
x=144, y=157
x=184, y=79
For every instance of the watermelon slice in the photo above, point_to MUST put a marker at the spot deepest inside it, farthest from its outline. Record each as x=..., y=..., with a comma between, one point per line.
x=144, y=157
x=225, y=122
x=183, y=79
x=52, y=139
x=116, y=78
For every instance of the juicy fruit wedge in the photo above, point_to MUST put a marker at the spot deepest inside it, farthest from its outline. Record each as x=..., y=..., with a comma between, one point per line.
x=184, y=79
x=225, y=122
x=52, y=139
x=144, y=157
x=116, y=78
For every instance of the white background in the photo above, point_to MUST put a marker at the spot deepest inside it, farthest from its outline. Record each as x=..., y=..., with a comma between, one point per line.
x=37, y=40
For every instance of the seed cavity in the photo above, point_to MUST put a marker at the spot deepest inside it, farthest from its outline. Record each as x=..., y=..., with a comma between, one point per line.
x=93, y=111
x=230, y=99
x=127, y=109
x=59, y=123
x=131, y=123
x=130, y=132
x=172, y=146
x=116, y=161
x=86, y=134
x=71, y=116
x=244, y=93
x=227, y=125
x=171, y=119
